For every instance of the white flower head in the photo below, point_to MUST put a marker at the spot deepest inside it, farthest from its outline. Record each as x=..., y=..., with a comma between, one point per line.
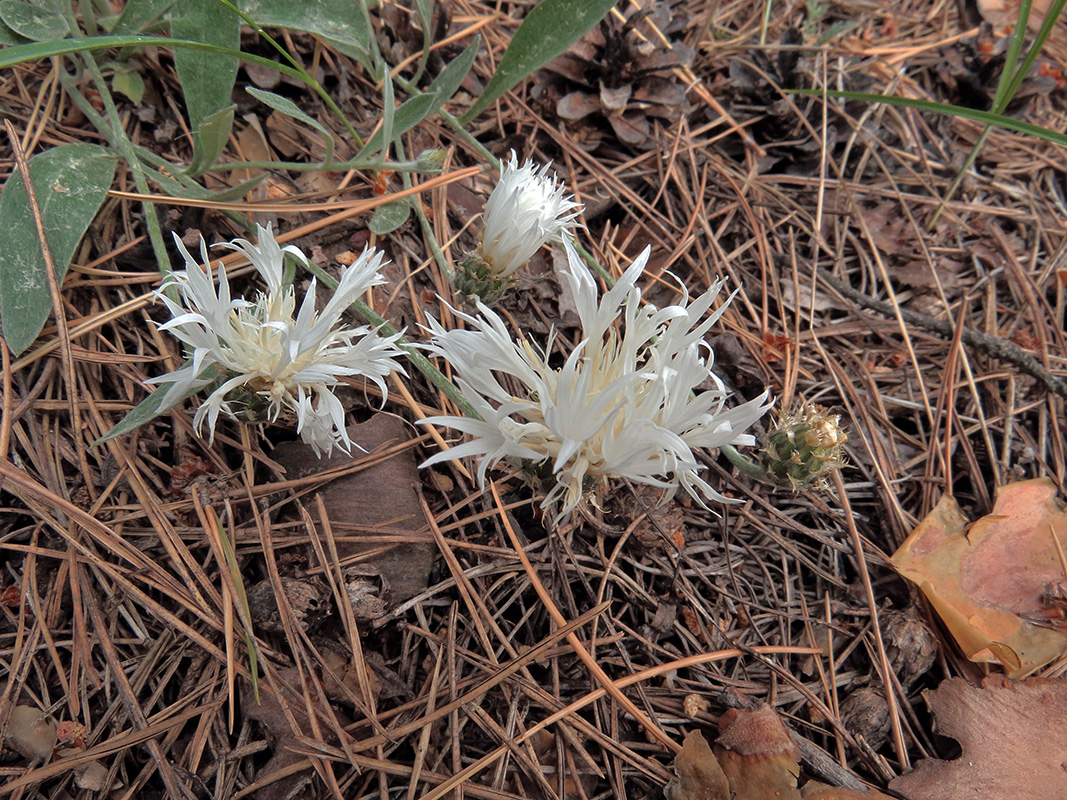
x=624, y=404
x=526, y=210
x=289, y=363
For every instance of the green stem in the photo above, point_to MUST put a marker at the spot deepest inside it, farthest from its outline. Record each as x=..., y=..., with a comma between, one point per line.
x=743, y=463
x=424, y=222
x=121, y=142
x=303, y=74
x=301, y=166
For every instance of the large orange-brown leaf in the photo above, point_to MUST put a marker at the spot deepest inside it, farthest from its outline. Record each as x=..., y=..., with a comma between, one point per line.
x=988, y=582
x=1013, y=737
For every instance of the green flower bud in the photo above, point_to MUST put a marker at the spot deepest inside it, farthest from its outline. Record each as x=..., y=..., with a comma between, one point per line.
x=804, y=447
x=474, y=280
x=430, y=160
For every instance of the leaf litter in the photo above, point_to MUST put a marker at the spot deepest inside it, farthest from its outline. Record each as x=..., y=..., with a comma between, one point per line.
x=449, y=682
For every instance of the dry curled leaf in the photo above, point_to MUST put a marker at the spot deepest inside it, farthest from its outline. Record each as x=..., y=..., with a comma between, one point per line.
x=988, y=580
x=699, y=776
x=757, y=755
x=1013, y=738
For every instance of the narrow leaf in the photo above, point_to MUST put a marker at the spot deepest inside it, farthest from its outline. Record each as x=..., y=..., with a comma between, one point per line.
x=193, y=191
x=151, y=407
x=410, y=113
x=286, y=106
x=244, y=612
x=548, y=30
x=70, y=183
x=207, y=79
x=34, y=51
x=944, y=108
x=451, y=78
x=415, y=109
x=389, y=217
x=209, y=140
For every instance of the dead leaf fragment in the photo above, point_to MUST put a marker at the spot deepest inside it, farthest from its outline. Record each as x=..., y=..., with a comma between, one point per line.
x=30, y=733
x=987, y=581
x=699, y=776
x=382, y=496
x=813, y=790
x=1013, y=738
x=757, y=755
x=91, y=777
x=340, y=678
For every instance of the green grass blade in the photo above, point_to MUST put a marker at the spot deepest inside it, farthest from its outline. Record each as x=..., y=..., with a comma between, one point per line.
x=986, y=117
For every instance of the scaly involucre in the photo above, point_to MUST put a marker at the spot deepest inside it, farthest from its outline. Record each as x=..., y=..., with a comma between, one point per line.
x=623, y=405
x=526, y=210
x=290, y=364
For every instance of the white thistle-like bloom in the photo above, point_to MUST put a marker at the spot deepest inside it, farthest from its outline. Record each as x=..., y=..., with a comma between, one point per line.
x=526, y=210
x=289, y=364
x=624, y=404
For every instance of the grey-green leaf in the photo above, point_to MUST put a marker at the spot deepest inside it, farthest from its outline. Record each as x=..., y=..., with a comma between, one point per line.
x=8, y=37
x=451, y=78
x=70, y=183
x=339, y=23
x=176, y=188
x=40, y=21
x=415, y=109
x=548, y=30
x=389, y=217
x=209, y=140
x=151, y=407
x=207, y=79
x=286, y=106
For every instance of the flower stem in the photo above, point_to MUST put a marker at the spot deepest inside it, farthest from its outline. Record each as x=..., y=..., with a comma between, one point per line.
x=745, y=464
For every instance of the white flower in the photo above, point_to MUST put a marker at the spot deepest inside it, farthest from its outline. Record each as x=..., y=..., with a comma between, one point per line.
x=622, y=405
x=288, y=363
x=526, y=210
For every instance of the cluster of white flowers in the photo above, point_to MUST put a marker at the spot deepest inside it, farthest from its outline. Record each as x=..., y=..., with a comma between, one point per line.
x=290, y=363
x=632, y=400
x=624, y=404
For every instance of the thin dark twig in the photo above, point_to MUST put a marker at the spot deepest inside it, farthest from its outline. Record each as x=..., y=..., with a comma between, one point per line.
x=991, y=345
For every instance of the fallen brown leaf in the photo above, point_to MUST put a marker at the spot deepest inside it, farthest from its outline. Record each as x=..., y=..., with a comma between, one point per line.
x=382, y=496
x=30, y=733
x=987, y=581
x=699, y=776
x=757, y=755
x=1013, y=737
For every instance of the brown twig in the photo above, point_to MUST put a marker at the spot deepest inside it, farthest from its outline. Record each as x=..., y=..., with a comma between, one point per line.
x=991, y=345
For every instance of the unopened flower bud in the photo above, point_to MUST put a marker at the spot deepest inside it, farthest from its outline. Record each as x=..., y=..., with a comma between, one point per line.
x=430, y=160
x=804, y=447
x=526, y=210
